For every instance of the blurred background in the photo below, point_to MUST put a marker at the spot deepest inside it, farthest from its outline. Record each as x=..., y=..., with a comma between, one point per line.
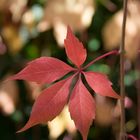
x=33, y=28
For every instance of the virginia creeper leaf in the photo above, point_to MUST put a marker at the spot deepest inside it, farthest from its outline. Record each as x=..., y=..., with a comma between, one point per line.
x=100, y=84
x=74, y=49
x=43, y=70
x=52, y=100
x=82, y=108
x=49, y=103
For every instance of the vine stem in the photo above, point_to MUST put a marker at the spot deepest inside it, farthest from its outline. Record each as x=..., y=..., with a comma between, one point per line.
x=122, y=70
x=100, y=57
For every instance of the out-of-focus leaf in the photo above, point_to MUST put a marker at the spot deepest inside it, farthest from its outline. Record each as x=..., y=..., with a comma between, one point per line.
x=61, y=123
x=8, y=97
x=2, y=47
x=131, y=125
x=12, y=37
x=131, y=77
x=93, y=45
x=60, y=13
x=103, y=68
x=112, y=29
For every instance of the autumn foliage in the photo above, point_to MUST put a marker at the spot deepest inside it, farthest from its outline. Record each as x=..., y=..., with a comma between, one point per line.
x=48, y=70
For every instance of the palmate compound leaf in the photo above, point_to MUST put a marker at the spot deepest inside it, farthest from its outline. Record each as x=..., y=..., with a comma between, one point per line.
x=100, y=84
x=82, y=108
x=52, y=100
x=49, y=103
x=74, y=49
x=43, y=70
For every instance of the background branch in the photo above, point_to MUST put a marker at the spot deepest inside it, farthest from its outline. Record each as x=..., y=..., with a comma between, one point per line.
x=122, y=59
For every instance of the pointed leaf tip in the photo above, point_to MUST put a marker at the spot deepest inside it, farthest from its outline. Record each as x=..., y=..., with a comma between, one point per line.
x=49, y=103
x=74, y=49
x=43, y=70
x=82, y=108
x=100, y=84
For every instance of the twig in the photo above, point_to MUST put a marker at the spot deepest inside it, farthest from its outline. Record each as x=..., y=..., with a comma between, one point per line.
x=122, y=59
x=137, y=67
x=100, y=57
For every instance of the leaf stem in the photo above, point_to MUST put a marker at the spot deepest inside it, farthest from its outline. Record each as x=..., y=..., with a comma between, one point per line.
x=100, y=57
x=122, y=59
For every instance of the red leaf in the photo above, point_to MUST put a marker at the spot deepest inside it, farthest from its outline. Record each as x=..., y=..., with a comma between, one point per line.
x=74, y=49
x=100, y=84
x=131, y=137
x=82, y=108
x=49, y=104
x=43, y=70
